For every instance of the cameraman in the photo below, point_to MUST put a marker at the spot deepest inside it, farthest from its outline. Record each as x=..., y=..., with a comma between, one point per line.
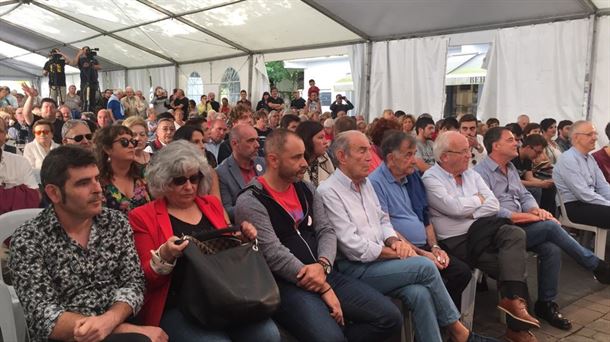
x=55, y=68
x=88, y=65
x=339, y=106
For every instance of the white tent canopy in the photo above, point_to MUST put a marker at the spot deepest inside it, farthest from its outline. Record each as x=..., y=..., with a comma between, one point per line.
x=143, y=42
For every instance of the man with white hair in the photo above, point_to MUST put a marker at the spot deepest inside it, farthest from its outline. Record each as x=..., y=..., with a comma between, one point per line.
x=129, y=102
x=580, y=181
x=371, y=251
x=463, y=211
x=115, y=105
x=523, y=120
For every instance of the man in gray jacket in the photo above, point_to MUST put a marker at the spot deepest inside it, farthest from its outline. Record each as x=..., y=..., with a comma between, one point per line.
x=299, y=245
x=235, y=172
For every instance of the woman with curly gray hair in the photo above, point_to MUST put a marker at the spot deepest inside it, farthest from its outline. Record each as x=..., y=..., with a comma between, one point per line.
x=179, y=177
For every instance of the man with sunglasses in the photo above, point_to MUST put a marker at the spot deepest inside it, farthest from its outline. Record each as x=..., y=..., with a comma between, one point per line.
x=580, y=181
x=77, y=132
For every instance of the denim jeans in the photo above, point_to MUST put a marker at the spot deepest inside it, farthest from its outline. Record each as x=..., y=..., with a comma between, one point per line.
x=180, y=328
x=368, y=315
x=417, y=283
x=548, y=239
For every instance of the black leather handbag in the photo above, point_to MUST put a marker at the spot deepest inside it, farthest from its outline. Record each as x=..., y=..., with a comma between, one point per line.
x=226, y=282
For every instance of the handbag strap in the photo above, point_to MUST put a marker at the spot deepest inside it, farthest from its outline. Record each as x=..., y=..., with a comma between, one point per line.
x=217, y=233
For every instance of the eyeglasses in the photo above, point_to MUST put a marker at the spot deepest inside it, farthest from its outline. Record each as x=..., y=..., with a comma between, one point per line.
x=42, y=131
x=463, y=153
x=590, y=134
x=125, y=142
x=80, y=137
x=194, y=179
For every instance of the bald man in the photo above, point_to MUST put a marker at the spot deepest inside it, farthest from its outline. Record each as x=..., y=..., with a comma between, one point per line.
x=580, y=181
x=244, y=164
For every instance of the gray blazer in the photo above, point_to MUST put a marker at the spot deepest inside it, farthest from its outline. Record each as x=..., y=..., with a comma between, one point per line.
x=232, y=182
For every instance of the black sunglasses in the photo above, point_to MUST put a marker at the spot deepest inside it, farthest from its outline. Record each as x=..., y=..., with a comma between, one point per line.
x=80, y=137
x=125, y=142
x=194, y=179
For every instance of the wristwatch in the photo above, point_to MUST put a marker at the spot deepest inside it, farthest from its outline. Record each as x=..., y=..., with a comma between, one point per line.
x=326, y=266
x=435, y=246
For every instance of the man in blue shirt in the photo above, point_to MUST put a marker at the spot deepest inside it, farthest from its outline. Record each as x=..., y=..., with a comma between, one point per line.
x=580, y=181
x=544, y=235
x=402, y=195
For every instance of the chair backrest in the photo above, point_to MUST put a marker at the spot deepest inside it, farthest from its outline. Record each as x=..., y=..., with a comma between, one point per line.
x=10, y=221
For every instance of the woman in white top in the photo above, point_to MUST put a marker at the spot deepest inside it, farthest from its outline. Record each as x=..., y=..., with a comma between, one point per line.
x=36, y=150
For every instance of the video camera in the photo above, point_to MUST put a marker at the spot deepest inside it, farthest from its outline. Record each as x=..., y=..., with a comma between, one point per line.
x=91, y=52
x=54, y=55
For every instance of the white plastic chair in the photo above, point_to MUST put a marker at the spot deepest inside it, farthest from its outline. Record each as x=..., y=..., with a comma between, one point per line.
x=600, y=233
x=407, y=334
x=12, y=319
x=468, y=298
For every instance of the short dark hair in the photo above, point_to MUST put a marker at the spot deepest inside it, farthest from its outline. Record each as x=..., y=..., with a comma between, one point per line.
x=422, y=122
x=449, y=123
x=530, y=127
x=287, y=119
x=307, y=130
x=165, y=116
x=311, y=80
x=272, y=88
x=55, y=165
x=493, y=135
x=393, y=140
x=344, y=123
x=515, y=129
x=186, y=132
x=48, y=99
x=545, y=124
x=399, y=113
x=563, y=123
x=196, y=121
x=608, y=130
x=467, y=118
x=491, y=121
x=276, y=140
x=534, y=140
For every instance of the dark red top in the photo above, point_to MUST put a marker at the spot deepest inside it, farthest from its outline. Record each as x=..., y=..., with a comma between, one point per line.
x=603, y=160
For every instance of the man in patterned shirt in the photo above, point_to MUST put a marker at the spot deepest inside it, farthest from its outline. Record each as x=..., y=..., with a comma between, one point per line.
x=74, y=266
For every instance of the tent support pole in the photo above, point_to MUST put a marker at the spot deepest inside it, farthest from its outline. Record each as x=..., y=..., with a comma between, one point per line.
x=250, y=74
x=126, y=79
x=367, y=79
x=177, y=75
x=591, y=49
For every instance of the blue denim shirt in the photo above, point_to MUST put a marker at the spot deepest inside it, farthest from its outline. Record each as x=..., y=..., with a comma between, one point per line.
x=508, y=188
x=404, y=201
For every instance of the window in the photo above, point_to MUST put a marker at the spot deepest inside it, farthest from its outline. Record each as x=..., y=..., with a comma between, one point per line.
x=230, y=86
x=194, y=87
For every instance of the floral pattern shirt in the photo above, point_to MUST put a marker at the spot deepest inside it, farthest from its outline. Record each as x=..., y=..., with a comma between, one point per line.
x=115, y=199
x=53, y=274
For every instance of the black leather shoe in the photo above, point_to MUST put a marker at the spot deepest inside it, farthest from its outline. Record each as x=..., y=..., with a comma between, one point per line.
x=602, y=272
x=549, y=311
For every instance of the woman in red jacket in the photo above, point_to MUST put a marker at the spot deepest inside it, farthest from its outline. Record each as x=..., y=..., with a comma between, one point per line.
x=177, y=177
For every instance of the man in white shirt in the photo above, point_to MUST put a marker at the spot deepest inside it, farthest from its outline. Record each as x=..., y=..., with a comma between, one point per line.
x=463, y=211
x=371, y=251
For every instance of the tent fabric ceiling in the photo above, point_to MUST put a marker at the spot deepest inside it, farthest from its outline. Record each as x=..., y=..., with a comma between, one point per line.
x=143, y=33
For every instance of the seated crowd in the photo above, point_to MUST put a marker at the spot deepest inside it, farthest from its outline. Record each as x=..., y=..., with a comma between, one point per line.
x=347, y=214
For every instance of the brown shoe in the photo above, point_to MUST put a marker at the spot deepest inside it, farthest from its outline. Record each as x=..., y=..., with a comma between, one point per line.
x=517, y=309
x=520, y=336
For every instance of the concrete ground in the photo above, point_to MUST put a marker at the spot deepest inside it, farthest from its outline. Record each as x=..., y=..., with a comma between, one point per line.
x=581, y=299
